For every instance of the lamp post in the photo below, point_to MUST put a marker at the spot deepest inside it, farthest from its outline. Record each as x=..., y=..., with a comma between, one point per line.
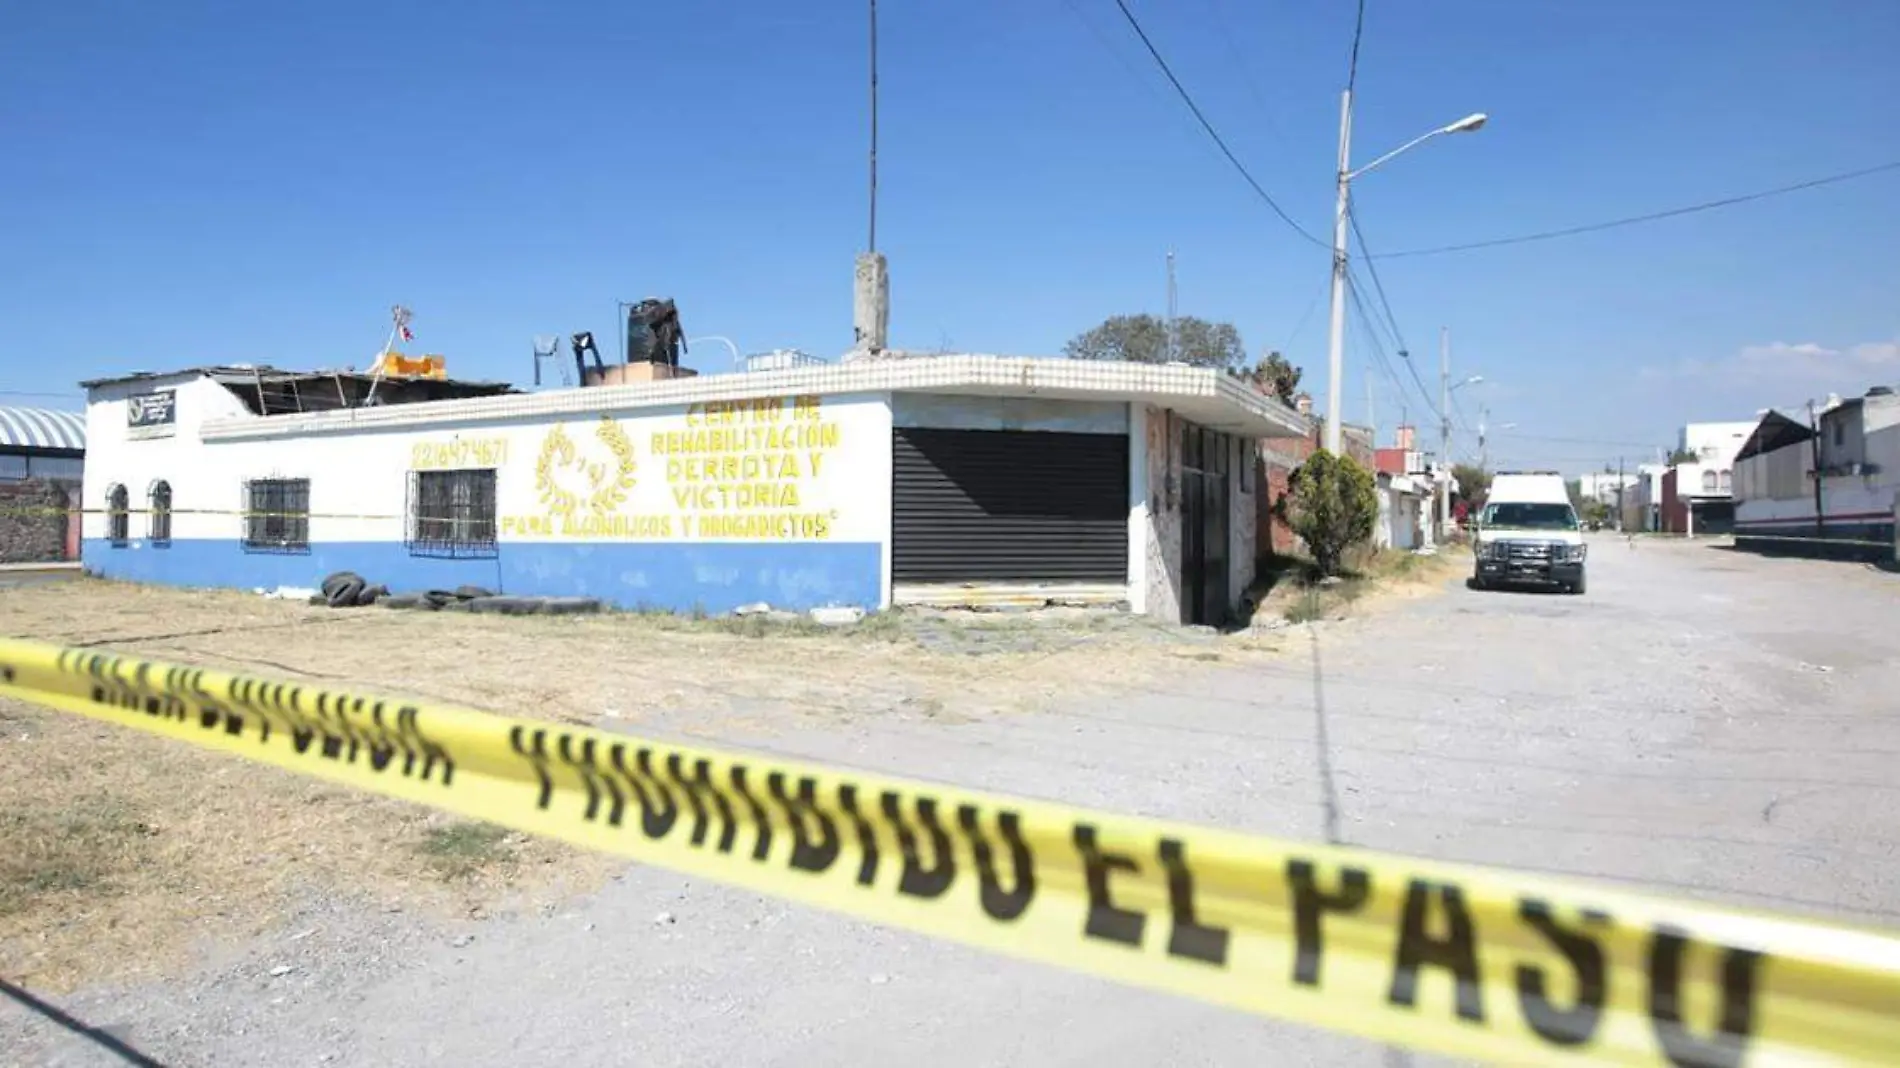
x=738, y=364
x=1484, y=451
x=1336, y=349
x=1445, y=389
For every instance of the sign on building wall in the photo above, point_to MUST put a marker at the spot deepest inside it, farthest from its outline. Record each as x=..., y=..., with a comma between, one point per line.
x=775, y=469
x=155, y=412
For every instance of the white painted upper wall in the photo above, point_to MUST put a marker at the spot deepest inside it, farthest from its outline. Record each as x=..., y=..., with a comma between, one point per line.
x=1008, y=413
x=137, y=458
x=1715, y=443
x=711, y=471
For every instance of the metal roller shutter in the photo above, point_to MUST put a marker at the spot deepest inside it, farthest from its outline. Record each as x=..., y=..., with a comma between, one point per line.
x=1005, y=505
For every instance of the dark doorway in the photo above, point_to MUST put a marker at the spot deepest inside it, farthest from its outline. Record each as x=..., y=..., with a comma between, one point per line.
x=1206, y=466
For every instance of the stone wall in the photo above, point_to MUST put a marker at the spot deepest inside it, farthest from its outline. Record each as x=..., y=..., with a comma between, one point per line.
x=32, y=522
x=1164, y=515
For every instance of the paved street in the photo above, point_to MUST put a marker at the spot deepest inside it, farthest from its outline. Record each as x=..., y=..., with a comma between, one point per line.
x=1703, y=723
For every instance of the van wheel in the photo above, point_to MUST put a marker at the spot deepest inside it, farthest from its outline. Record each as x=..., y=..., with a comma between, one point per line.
x=1577, y=587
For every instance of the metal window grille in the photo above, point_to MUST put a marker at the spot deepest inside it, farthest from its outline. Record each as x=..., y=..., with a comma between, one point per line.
x=159, y=521
x=277, y=515
x=118, y=515
x=452, y=513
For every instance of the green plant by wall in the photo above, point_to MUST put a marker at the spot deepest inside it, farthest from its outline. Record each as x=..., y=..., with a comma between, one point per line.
x=1332, y=505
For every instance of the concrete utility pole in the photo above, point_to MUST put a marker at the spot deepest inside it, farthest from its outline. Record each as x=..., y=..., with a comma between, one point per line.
x=1372, y=416
x=1444, y=427
x=1336, y=339
x=871, y=290
x=1820, y=517
x=1619, y=495
x=1342, y=185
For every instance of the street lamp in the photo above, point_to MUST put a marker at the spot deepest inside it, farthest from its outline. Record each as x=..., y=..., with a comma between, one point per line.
x=738, y=363
x=1484, y=453
x=1446, y=387
x=1336, y=350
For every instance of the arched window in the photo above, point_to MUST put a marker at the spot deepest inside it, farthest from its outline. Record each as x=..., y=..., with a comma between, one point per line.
x=159, y=519
x=1708, y=481
x=118, y=515
x=1724, y=483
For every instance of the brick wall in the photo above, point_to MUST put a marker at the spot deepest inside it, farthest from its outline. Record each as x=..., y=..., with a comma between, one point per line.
x=1279, y=458
x=33, y=520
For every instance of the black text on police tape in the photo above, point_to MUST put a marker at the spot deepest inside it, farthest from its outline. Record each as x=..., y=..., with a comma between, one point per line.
x=382, y=735
x=1431, y=905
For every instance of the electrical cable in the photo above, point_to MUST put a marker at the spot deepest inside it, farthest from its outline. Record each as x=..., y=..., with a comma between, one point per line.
x=1219, y=142
x=1378, y=286
x=1633, y=220
x=1365, y=318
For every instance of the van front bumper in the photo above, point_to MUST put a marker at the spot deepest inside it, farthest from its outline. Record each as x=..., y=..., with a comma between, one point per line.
x=1539, y=572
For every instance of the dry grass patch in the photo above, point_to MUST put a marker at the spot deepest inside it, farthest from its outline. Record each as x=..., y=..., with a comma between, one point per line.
x=124, y=849
x=1294, y=590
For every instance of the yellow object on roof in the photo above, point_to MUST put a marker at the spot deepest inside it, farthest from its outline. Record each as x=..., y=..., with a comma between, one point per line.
x=395, y=364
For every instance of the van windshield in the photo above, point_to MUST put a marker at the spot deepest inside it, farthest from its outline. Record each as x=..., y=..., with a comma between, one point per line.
x=1531, y=516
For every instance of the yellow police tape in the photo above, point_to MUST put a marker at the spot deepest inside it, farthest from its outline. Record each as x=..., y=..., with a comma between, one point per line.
x=1462, y=960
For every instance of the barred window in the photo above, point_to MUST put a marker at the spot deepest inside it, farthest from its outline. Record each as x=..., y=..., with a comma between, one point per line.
x=159, y=518
x=118, y=515
x=277, y=515
x=452, y=513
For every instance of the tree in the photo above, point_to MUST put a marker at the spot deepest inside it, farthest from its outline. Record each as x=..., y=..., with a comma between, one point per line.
x=1684, y=456
x=1331, y=505
x=1144, y=339
x=1276, y=376
x=1474, y=484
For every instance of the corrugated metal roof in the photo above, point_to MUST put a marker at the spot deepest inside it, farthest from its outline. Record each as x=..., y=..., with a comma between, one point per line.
x=39, y=428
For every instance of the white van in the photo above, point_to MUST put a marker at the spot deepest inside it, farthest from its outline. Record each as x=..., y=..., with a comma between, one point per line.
x=1528, y=533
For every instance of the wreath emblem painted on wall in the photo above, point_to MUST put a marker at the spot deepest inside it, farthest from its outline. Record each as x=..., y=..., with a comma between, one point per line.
x=601, y=487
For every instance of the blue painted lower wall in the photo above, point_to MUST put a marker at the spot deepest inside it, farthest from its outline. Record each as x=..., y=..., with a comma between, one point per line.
x=680, y=577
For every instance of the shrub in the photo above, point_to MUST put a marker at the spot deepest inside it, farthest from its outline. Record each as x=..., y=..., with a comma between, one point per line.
x=1333, y=505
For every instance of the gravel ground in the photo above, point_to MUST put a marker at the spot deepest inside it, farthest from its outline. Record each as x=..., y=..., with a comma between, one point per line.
x=1703, y=722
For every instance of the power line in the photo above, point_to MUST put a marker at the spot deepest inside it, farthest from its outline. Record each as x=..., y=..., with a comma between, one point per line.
x=1209, y=127
x=1358, y=31
x=1580, y=441
x=1633, y=220
x=1365, y=318
x=1378, y=286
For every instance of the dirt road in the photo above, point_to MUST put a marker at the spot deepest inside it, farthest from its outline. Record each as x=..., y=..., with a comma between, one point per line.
x=1704, y=723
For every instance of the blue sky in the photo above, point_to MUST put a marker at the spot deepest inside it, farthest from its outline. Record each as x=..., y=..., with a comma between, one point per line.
x=203, y=182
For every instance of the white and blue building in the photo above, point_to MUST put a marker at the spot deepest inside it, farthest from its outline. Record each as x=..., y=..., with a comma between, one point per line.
x=942, y=480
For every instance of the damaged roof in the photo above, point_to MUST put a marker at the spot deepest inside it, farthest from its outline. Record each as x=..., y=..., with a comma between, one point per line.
x=1775, y=431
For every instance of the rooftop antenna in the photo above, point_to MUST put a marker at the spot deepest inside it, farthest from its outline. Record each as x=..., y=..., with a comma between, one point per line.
x=1174, y=345
x=399, y=317
x=548, y=347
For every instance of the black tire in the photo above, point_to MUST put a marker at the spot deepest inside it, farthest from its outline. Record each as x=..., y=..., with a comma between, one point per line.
x=507, y=606
x=1577, y=587
x=569, y=606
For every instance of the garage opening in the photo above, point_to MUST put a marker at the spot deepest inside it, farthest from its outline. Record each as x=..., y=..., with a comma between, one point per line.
x=1009, y=506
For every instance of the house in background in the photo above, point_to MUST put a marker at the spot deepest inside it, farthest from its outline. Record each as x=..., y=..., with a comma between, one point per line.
x=1698, y=495
x=42, y=460
x=1642, y=498
x=1858, y=492
x=1405, y=484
